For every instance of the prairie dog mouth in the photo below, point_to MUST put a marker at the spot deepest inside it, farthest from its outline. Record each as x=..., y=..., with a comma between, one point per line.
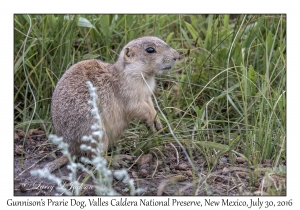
x=162, y=70
x=167, y=68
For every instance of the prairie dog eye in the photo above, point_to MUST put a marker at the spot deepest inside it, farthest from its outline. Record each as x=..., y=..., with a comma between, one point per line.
x=150, y=50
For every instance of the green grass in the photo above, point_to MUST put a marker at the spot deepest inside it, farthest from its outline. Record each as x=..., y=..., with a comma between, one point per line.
x=227, y=94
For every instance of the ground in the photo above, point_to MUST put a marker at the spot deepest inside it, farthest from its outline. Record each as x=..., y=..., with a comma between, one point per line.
x=168, y=174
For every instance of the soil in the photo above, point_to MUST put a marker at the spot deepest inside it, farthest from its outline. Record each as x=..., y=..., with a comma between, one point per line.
x=168, y=174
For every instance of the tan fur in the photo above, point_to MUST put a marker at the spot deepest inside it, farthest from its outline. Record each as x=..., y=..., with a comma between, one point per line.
x=122, y=92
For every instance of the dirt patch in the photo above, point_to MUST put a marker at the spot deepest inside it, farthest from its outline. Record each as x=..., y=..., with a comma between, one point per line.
x=168, y=173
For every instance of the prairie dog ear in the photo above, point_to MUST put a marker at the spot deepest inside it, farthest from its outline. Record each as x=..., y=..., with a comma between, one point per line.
x=129, y=54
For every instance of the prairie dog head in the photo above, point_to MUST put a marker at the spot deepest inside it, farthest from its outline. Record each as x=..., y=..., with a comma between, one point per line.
x=148, y=55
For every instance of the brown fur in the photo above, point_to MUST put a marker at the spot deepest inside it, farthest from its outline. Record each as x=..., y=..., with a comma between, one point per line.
x=122, y=92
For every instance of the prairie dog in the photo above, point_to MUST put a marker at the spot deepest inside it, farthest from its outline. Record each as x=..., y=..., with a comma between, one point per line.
x=122, y=92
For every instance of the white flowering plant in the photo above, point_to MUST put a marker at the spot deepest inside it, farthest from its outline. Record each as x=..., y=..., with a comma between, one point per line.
x=100, y=174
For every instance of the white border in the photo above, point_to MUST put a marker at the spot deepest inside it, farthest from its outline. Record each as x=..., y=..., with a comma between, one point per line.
x=8, y=8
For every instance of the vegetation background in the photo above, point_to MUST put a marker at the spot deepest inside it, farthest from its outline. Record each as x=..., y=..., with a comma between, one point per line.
x=226, y=95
